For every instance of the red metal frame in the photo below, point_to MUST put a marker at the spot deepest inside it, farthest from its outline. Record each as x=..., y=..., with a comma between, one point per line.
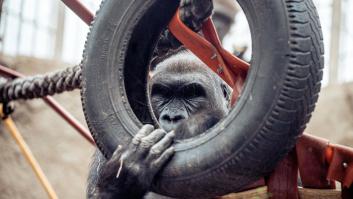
x=209, y=49
x=80, y=10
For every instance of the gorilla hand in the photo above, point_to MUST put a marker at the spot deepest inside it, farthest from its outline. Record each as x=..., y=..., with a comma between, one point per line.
x=130, y=172
x=194, y=12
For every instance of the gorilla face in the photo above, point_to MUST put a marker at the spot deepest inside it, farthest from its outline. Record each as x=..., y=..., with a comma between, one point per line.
x=186, y=96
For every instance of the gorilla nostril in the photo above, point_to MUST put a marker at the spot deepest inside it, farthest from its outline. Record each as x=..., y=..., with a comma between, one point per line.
x=177, y=118
x=166, y=118
x=172, y=118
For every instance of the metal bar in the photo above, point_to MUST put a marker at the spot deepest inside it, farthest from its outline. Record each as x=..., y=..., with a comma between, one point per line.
x=27, y=153
x=69, y=118
x=4, y=71
x=9, y=73
x=81, y=11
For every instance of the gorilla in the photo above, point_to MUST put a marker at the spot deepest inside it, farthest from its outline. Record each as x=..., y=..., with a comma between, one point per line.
x=187, y=98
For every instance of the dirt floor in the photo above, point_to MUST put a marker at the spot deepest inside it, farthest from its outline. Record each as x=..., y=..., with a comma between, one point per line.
x=62, y=153
x=65, y=156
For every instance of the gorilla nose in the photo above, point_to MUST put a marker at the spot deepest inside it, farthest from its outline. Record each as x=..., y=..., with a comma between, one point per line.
x=172, y=118
x=170, y=121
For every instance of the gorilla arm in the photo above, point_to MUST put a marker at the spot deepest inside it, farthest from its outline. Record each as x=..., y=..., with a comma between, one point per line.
x=130, y=172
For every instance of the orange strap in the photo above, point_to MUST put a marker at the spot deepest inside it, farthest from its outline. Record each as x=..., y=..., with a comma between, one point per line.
x=321, y=164
x=209, y=49
x=327, y=162
x=340, y=164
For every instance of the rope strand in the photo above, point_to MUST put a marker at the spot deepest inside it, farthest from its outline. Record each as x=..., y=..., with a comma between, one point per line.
x=41, y=85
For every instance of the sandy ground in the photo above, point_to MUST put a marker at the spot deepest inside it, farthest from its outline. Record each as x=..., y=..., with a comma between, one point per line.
x=65, y=156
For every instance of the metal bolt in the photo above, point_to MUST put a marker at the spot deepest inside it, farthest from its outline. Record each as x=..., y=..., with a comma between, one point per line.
x=220, y=69
x=345, y=165
x=214, y=56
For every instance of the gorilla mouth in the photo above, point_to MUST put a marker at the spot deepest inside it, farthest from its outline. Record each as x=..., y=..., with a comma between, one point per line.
x=172, y=126
x=197, y=124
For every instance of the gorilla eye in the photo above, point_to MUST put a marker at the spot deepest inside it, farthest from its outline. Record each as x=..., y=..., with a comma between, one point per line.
x=161, y=90
x=193, y=90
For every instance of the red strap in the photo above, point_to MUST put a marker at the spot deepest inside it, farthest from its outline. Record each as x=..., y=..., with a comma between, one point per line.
x=321, y=164
x=341, y=165
x=209, y=49
x=313, y=165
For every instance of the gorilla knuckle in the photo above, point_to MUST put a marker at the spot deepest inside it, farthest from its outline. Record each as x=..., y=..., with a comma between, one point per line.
x=160, y=132
x=134, y=169
x=155, y=150
x=136, y=141
x=146, y=143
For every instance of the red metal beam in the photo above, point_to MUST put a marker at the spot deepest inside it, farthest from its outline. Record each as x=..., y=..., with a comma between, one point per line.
x=81, y=11
x=9, y=73
x=69, y=118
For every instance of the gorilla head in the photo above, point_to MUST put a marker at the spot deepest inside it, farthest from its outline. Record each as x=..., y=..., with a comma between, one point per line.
x=186, y=96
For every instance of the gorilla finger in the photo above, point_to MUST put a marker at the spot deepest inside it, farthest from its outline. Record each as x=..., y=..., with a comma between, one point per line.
x=148, y=141
x=117, y=153
x=157, y=149
x=143, y=132
x=163, y=144
x=166, y=155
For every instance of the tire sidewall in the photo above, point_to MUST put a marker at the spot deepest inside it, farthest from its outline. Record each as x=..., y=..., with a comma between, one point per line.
x=224, y=149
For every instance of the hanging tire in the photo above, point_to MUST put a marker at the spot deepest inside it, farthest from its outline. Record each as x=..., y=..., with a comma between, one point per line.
x=277, y=101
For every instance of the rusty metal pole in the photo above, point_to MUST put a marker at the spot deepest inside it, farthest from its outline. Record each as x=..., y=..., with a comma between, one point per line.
x=80, y=10
x=27, y=153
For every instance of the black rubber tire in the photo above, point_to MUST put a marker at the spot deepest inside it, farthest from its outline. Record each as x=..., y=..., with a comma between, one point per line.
x=280, y=92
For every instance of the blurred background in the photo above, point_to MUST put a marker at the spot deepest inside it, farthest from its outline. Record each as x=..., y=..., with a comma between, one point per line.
x=38, y=36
